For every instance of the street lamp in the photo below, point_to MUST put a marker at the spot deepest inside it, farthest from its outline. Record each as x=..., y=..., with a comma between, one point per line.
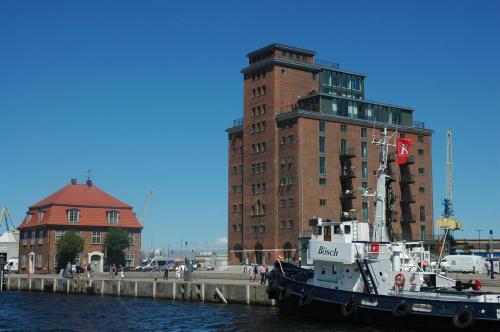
x=479, y=237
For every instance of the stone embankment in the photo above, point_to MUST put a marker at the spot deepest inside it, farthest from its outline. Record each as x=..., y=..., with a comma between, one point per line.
x=231, y=290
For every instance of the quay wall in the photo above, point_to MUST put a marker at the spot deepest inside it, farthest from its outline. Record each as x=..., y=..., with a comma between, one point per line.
x=175, y=290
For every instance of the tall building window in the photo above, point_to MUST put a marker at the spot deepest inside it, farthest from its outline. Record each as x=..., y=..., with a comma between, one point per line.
x=322, y=165
x=40, y=237
x=290, y=202
x=59, y=234
x=420, y=152
x=96, y=237
x=240, y=169
x=363, y=133
x=73, y=215
x=290, y=139
x=322, y=181
x=343, y=146
x=233, y=171
x=420, y=138
x=364, y=150
x=131, y=238
x=41, y=214
x=343, y=128
x=113, y=217
x=322, y=202
x=422, y=233
x=129, y=260
x=364, y=185
x=23, y=261
x=321, y=144
x=365, y=210
x=364, y=170
x=322, y=127
x=421, y=171
x=422, y=212
x=421, y=190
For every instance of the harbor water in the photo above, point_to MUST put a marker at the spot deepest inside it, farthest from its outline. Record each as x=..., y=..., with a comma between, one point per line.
x=26, y=311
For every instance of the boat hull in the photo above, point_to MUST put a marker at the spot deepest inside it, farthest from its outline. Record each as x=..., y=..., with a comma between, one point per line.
x=295, y=296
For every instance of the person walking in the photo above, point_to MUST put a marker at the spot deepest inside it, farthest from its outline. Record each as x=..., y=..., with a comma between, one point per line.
x=262, y=271
x=68, y=269
x=120, y=269
x=165, y=273
x=255, y=271
x=251, y=273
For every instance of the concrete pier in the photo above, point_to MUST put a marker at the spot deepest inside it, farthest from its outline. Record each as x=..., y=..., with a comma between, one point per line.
x=205, y=291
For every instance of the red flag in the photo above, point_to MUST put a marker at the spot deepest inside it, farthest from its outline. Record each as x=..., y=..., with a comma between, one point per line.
x=403, y=151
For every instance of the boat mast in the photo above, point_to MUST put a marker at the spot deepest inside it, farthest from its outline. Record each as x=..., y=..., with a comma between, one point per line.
x=380, y=233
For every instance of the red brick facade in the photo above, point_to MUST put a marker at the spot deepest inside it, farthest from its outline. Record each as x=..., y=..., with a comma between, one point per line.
x=274, y=180
x=50, y=217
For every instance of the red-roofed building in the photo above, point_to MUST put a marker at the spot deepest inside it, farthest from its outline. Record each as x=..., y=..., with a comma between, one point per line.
x=85, y=209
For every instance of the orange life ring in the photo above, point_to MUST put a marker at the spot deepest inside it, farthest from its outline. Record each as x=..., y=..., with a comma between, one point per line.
x=400, y=279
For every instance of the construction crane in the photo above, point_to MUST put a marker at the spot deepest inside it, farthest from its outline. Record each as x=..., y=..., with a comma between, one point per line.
x=447, y=223
x=145, y=207
x=5, y=215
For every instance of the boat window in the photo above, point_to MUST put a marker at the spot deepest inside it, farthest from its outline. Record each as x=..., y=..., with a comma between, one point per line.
x=322, y=269
x=317, y=230
x=347, y=229
x=334, y=270
x=328, y=233
x=336, y=229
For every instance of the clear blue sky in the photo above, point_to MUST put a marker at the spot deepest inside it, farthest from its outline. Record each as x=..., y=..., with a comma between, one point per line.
x=142, y=91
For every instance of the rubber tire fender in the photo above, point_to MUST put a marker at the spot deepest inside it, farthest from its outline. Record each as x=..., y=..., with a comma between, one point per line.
x=402, y=309
x=285, y=293
x=306, y=299
x=348, y=308
x=463, y=319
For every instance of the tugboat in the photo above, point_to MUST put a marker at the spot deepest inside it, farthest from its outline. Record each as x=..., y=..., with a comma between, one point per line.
x=360, y=274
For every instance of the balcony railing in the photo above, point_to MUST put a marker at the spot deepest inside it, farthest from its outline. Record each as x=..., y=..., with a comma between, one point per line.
x=347, y=194
x=410, y=160
x=408, y=199
x=324, y=63
x=347, y=152
x=347, y=174
x=238, y=122
x=408, y=218
x=407, y=178
x=419, y=124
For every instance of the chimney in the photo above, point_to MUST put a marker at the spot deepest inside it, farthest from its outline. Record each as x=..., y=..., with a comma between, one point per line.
x=73, y=181
x=89, y=182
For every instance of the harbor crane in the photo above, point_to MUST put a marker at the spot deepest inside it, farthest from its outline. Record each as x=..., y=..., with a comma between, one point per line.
x=5, y=215
x=447, y=223
x=145, y=207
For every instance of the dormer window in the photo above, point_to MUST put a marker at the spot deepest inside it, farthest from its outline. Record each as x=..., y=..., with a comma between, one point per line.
x=29, y=215
x=73, y=215
x=41, y=214
x=113, y=217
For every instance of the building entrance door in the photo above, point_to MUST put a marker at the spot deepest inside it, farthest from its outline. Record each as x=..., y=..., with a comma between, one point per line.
x=96, y=259
x=31, y=262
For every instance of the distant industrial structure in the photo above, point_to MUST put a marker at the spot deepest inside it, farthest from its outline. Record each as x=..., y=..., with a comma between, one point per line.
x=302, y=150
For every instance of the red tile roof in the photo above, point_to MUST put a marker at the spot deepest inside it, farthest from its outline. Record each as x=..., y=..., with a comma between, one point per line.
x=92, y=202
x=81, y=195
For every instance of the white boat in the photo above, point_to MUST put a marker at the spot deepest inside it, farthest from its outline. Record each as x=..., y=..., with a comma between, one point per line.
x=359, y=274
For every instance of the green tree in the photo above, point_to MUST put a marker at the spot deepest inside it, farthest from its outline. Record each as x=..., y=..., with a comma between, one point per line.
x=68, y=247
x=115, y=242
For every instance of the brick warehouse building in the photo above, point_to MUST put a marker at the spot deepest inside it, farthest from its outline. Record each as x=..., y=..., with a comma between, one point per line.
x=85, y=209
x=303, y=149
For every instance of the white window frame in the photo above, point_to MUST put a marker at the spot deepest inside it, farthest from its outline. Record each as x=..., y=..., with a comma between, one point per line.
x=41, y=215
x=131, y=238
x=40, y=236
x=73, y=215
x=33, y=236
x=113, y=217
x=39, y=260
x=96, y=238
x=130, y=260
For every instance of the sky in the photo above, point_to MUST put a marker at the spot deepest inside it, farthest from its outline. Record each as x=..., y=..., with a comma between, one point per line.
x=141, y=93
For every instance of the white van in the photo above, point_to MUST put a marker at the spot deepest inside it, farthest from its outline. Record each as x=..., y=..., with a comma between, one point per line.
x=463, y=263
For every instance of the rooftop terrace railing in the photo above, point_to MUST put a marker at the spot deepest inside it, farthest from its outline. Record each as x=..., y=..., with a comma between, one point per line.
x=324, y=63
x=238, y=122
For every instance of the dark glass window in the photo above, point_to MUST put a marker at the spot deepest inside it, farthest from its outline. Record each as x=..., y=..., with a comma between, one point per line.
x=322, y=127
x=343, y=128
x=420, y=138
x=321, y=144
x=363, y=133
x=322, y=165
